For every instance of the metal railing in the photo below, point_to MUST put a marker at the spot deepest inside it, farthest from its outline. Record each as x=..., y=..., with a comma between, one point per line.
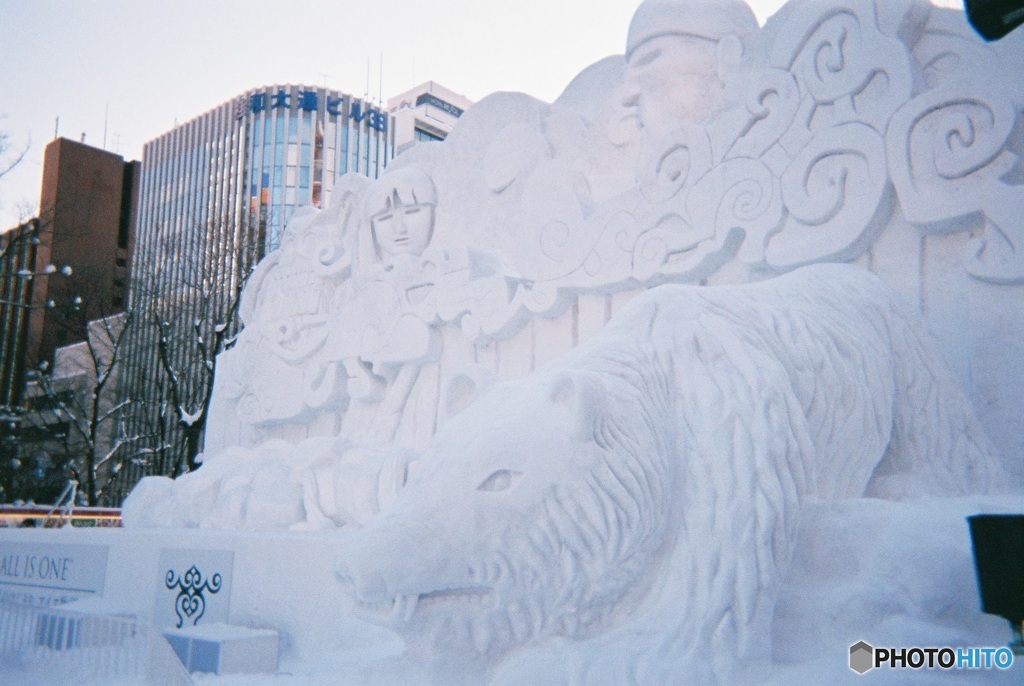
x=48, y=516
x=50, y=645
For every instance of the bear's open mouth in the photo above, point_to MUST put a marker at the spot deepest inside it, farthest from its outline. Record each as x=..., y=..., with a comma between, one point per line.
x=402, y=608
x=470, y=595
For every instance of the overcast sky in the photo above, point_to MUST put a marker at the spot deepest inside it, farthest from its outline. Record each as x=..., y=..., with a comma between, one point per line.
x=124, y=71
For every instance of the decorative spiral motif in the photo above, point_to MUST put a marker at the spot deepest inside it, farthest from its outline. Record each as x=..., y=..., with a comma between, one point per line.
x=682, y=158
x=742, y=194
x=325, y=249
x=541, y=297
x=771, y=102
x=834, y=191
x=840, y=57
x=968, y=143
x=947, y=152
x=671, y=237
x=553, y=239
x=190, y=603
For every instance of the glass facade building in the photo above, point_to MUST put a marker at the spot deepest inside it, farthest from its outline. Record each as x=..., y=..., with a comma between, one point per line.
x=251, y=161
x=215, y=195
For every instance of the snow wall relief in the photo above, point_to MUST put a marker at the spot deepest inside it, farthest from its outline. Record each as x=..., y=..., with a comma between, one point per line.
x=882, y=134
x=453, y=345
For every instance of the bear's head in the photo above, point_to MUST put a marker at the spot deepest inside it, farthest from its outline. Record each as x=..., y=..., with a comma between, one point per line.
x=533, y=512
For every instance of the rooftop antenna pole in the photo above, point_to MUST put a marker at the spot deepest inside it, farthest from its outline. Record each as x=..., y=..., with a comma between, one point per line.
x=106, y=113
x=56, y=127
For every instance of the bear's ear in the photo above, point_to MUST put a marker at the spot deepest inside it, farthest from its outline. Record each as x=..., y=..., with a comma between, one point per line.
x=583, y=394
x=465, y=387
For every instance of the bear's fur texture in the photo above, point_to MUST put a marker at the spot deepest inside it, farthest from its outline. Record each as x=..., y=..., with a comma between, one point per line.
x=626, y=514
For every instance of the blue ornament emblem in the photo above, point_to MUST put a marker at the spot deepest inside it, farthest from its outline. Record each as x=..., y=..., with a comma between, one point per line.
x=190, y=603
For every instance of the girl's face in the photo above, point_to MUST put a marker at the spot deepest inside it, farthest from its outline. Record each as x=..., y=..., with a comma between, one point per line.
x=403, y=230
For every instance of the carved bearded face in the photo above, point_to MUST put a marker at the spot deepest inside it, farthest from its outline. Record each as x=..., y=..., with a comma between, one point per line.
x=671, y=80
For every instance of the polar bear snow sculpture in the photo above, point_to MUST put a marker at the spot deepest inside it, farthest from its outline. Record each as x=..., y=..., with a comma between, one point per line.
x=635, y=501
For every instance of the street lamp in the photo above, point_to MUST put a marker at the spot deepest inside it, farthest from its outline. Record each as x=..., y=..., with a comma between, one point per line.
x=29, y=274
x=45, y=271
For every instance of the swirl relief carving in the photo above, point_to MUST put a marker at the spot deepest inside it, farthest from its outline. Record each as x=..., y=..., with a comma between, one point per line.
x=819, y=129
x=948, y=158
x=813, y=135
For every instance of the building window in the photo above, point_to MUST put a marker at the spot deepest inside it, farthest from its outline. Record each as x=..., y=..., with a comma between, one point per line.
x=425, y=136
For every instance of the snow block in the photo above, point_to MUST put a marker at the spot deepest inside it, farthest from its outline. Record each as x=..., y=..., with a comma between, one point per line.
x=225, y=649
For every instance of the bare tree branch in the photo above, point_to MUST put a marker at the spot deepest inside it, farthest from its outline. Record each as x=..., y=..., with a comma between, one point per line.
x=7, y=160
x=78, y=398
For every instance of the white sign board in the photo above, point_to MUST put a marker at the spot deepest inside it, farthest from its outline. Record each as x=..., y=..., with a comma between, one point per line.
x=51, y=573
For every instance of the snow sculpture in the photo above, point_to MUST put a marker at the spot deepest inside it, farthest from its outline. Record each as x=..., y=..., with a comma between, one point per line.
x=641, y=494
x=395, y=302
x=288, y=307
x=712, y=152
x=667, y=459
